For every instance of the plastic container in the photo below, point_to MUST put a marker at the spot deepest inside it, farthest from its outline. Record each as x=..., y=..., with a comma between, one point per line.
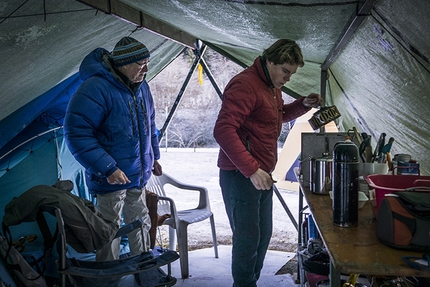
x=382, y=184
x=363, y=186
x=312, y=228
x=374, y=168
x=362, y=198
x=407, y=168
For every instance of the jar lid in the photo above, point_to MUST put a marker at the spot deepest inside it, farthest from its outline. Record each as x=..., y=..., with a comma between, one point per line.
x=345, y=151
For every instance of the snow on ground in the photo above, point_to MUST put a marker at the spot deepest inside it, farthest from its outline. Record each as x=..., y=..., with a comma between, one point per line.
x=199, y=167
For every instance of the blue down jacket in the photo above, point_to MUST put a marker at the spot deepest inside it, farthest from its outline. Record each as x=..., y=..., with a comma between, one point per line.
x=109, y=126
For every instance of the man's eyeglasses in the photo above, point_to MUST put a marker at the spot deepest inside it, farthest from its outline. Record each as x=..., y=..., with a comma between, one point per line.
x=142, y=64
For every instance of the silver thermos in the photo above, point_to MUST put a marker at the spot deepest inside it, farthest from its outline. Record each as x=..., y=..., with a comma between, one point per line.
x=345, y=184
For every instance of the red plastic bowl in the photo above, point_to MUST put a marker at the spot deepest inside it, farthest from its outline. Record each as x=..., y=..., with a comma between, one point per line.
x=387, y=183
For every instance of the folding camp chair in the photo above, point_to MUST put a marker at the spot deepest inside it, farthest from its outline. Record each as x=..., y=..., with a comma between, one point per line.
x=78, y=225
x=109, y=273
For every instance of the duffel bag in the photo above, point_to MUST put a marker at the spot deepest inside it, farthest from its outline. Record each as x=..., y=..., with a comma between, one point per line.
x=404, y=221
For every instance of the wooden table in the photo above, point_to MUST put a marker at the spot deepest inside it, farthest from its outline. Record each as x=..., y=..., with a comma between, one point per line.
x=355, y=250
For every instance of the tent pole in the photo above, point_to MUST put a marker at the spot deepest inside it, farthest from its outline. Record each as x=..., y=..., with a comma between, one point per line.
x=323, y=90
x=357, y=18
x=323, y=86
x=199, y=54
x=211, y=78
x=30, y=139
x=285, y=206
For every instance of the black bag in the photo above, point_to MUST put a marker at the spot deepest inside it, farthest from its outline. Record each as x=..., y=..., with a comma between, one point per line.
x=404, y=221
x=24, y=274
x=318, y=263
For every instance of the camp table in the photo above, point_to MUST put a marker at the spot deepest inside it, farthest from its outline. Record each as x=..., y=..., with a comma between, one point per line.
x=353, y=250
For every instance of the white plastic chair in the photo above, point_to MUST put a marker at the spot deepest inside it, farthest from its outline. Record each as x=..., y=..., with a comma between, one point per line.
x=180, y=219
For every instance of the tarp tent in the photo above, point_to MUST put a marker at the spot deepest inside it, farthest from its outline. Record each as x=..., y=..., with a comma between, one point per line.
x=369, y=58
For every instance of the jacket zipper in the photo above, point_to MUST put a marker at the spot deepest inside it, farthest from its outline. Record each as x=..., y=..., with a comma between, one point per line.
x=276, y=129
x=276, y=111
x=248, y=145
x=131, y=116
x=146, y=117
x=136, y=108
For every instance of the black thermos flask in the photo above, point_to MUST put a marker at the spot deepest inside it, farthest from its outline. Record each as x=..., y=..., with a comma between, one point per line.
x=345, y=184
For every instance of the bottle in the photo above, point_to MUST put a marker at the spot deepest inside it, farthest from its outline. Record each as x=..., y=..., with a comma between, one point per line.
x=345, y=184
x=312, y=229
x=304, y=231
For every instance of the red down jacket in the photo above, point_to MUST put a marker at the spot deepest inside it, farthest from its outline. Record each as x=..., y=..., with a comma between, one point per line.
x=250, y=121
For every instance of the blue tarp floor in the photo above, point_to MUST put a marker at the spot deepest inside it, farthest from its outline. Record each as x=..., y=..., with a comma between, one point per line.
x=206, y=270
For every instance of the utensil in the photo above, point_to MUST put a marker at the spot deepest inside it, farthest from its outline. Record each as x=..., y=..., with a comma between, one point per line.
x=368, y=153
x=379, y=145
x=357, y=136
x=362, y=149
x=351, y=280
x=387, y=147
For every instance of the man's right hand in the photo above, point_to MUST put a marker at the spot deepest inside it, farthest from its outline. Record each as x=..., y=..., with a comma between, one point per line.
x=261, y=180
x=118, y=177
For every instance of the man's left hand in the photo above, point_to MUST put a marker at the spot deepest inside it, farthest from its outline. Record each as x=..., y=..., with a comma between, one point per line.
x=156, y=169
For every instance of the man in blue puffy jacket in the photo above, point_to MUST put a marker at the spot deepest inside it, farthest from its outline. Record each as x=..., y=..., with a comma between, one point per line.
x=110, y=129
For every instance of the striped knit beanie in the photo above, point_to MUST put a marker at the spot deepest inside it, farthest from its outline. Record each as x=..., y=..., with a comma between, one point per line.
x=128, y=50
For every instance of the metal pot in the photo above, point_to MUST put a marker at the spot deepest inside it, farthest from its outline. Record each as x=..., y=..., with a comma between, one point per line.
x=321, y=174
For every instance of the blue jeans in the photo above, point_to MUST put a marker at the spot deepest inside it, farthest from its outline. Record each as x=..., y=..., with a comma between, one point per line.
x=250, y=214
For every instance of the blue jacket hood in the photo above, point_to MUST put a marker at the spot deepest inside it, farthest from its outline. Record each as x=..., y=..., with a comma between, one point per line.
x=99, y=63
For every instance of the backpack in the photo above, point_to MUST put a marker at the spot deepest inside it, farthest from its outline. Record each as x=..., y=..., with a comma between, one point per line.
x=23, y=274
x=86, y=229
x=404, y=221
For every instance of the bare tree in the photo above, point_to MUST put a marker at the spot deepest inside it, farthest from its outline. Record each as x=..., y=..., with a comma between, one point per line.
x=193, y=122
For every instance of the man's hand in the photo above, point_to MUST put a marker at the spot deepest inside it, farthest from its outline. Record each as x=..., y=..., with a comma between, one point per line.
x=156, y=169
x=312, y=101
x=262, y=180
x=118, y=177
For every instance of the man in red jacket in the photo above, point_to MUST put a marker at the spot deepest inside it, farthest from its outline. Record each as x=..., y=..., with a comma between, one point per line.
x=247, y=130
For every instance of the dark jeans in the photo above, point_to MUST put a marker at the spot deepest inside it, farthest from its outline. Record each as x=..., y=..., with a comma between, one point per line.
x=250, y=214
